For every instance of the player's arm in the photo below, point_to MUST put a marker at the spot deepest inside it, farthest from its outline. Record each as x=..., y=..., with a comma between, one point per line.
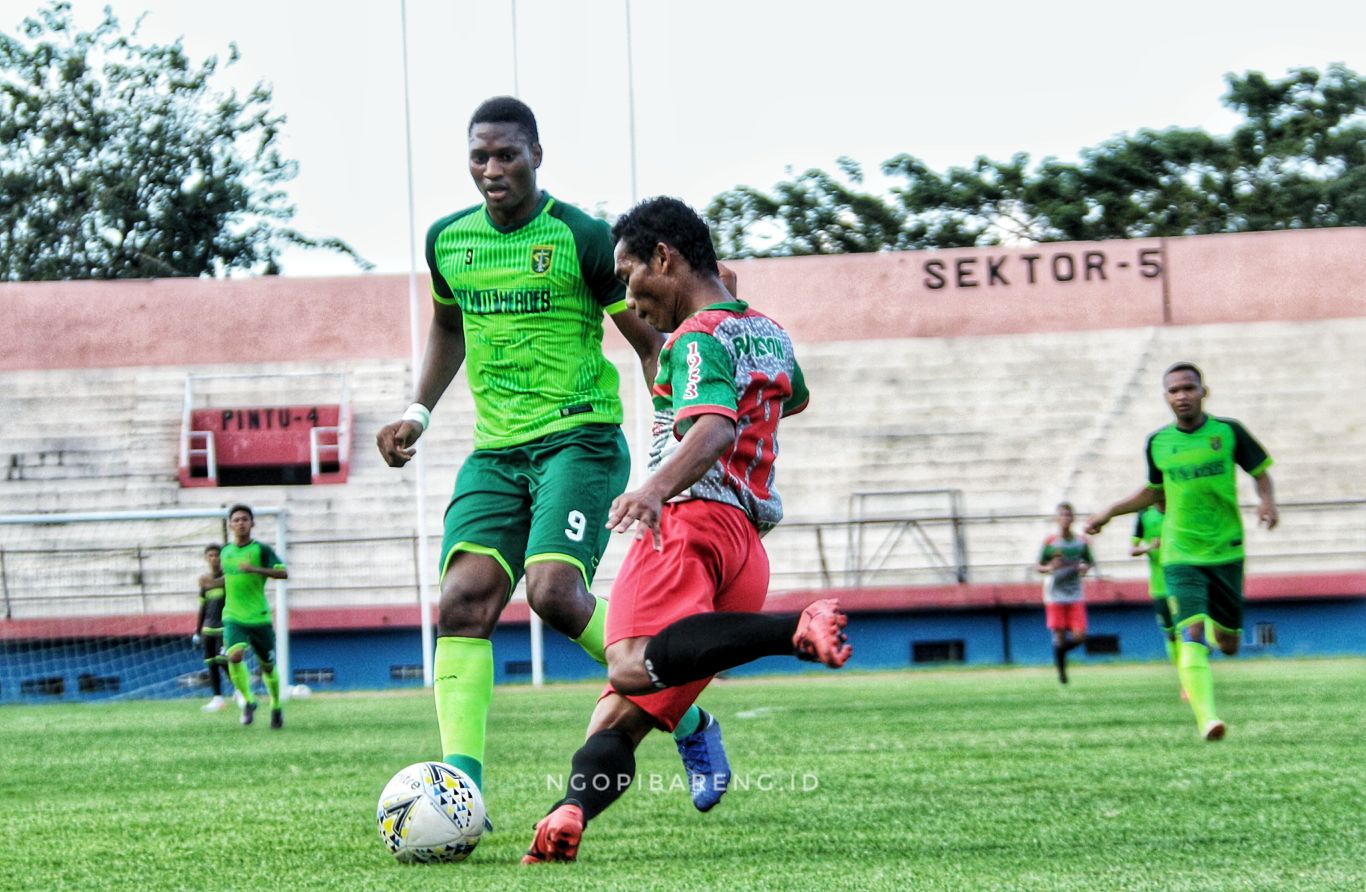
x=643, y=339
x=704, y=443
x=443, y=357
x=1087, y=560
x=1252, y=457
x=1047, y=560
x=1267, y=513
x=203, y=606
x=1136, y=502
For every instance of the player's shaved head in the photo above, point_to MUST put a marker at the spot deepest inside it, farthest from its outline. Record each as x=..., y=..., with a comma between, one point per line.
x=506, y=110
x=1185, y=367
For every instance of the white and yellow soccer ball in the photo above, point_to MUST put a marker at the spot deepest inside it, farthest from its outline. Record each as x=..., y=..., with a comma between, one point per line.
x=430, y=812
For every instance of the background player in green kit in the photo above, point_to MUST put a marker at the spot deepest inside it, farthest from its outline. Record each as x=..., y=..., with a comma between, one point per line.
x=521, y=283
x=1193, y=463
x=247, y=564
x=208, y=625
x=1147, y=540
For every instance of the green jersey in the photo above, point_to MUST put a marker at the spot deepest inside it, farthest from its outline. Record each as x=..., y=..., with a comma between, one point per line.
x=1195, y=469
x=246, y=603
x=1147, y=528
x=532, y=299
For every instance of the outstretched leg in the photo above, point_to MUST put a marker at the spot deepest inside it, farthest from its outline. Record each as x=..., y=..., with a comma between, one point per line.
x=601, y=771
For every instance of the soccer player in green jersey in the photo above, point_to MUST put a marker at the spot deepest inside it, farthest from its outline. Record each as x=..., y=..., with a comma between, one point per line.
x=208, y=625
x=521, y=283
x=1147, y=540
x=247, y=564
x=1192, y=463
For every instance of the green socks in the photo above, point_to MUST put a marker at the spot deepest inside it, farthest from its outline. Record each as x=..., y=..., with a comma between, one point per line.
x=591, y=638
x=272, y=680
x=1173, y=651
x=691, y=721
x=241, y=679
x=1197, y=681
x=464, y=686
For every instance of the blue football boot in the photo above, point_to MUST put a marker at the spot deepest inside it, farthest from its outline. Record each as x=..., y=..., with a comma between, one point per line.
x=704, y=756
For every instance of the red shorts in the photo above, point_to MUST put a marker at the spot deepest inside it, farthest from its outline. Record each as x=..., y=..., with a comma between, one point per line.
x=1066, y=616
x=712, y=560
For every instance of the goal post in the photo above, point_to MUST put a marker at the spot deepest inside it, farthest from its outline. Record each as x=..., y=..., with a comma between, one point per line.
x=93, y=605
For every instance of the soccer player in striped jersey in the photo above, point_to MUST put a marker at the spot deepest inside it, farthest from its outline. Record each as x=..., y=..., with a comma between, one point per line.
x=1193, y=464
x=685, y=603
x=1065, y=559
x=520, y=285
x=208, y=626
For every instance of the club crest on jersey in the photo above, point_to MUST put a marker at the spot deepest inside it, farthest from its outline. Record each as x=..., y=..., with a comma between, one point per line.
x=541, y=258
x=1215, y=443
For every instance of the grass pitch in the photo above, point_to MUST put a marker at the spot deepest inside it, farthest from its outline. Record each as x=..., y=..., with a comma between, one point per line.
x=958, y=779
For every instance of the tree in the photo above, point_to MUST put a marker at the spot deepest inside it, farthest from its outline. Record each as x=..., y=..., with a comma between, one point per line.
x=1295, y=161
x=118, y=160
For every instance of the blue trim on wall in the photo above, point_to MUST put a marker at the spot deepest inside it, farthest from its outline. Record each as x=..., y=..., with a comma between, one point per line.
x=392, y=658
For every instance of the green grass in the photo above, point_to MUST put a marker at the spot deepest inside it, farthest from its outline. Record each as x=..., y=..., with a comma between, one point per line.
x=966, y=779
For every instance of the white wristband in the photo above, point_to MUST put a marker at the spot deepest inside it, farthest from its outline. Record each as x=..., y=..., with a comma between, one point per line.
x=419, y=413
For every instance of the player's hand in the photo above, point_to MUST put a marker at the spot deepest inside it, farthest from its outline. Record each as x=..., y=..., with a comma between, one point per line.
x=640, y=509
x=395, y=441
x=195, y=640
x=1268, y=516
x=728, y=279
x=1095, y=523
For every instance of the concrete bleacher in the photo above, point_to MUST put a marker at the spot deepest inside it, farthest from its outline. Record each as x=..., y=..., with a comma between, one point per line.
x=1014, y=422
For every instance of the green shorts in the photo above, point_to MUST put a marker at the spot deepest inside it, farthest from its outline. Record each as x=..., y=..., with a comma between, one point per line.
x=260, y=638
x=546, y=500
x=1213, y=592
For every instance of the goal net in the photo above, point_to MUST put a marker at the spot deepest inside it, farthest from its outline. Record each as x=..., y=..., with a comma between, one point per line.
x=103, y=606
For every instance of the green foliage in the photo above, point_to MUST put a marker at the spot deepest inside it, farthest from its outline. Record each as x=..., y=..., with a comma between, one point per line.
x=967, y=779
x=1297, y=160
x=119, y=160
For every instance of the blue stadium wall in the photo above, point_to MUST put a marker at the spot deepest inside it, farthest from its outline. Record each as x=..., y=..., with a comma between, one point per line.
x=391, y=658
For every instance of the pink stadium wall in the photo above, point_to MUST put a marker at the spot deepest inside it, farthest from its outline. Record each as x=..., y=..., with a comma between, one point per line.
x=1307, y=274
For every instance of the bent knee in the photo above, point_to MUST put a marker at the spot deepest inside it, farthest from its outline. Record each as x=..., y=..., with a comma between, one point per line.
x=469, y=612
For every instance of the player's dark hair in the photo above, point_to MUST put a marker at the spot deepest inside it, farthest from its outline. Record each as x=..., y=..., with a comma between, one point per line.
x=1067, y=505
x=214, y=546
x=1185, y=367
x=506, y=110
x=672, y=222
x=239, y=507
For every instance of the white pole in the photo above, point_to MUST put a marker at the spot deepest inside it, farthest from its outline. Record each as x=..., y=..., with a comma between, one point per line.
x=535, y=628
x=516, y=86
x=424, y=569
x=282, y=606
x=640, y=405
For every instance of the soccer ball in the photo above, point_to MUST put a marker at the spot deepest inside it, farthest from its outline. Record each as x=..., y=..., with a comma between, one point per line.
x=430, y=811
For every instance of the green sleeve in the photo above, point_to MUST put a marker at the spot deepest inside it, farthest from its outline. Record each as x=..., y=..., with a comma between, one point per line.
x=702, y=374
x=800, y=395
x=270, y=559
x=1247, y=452
x=1154, y=473
x=593, y=242
x=441, y=289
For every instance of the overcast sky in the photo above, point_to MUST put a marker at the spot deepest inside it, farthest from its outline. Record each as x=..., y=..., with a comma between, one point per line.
x=727, y=92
